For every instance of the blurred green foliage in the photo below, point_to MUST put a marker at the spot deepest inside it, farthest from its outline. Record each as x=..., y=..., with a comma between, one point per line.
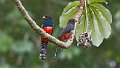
x=19, y=43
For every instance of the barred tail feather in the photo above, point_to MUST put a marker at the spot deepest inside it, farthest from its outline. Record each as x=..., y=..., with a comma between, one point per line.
x=43, y=51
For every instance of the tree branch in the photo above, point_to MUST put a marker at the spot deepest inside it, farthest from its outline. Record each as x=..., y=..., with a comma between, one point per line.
x=40, y=31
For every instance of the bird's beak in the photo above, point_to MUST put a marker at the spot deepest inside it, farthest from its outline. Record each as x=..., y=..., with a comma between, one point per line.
x=43, y=17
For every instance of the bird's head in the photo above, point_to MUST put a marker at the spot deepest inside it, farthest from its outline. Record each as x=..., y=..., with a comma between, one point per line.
x=72, y=21
x=47, y=17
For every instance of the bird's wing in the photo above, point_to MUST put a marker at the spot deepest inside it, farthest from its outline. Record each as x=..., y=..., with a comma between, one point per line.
x=67, y=29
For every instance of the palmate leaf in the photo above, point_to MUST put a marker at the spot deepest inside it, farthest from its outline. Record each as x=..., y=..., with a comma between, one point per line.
x=104, y=25
x=103, y=22
x=94, y=1
x=69, y=11
x=105, y=12
x=70, y=6
x=99, y=19
x=99, y=23
x=96, y=35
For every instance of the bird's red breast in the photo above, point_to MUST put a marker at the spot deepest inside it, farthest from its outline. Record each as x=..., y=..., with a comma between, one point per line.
x=66, y=36
x=48, y=30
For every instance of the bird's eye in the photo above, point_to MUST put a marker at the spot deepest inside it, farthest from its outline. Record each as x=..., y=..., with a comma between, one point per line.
x=45, y=16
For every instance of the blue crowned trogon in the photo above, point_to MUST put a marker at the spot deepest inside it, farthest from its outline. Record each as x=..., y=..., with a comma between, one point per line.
x=47, y=26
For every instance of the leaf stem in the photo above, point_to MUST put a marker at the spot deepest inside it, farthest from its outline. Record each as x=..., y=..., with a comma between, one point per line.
x=86, y=13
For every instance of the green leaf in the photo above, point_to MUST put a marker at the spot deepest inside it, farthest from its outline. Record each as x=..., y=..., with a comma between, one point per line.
x=99, y=24
x=105, y=12
x=103, y=18
x=104, y=26
x=81, y=28
x=96, y=35
x=94, y=1
x=70, y=10
x=99, y=19
x=70, y=5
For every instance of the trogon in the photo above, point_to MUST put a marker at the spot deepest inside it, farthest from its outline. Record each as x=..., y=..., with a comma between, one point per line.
x=66, y=32
x=47, y=26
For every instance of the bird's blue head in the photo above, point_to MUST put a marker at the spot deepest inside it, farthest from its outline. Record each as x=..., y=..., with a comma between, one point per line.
x=47, y=17
x=48, y=21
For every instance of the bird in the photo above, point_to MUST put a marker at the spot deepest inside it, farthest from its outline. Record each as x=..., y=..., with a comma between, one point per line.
x=66, y=32
x=47, y=26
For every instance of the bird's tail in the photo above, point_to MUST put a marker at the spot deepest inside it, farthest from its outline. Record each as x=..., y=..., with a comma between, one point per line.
x=43, y=51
